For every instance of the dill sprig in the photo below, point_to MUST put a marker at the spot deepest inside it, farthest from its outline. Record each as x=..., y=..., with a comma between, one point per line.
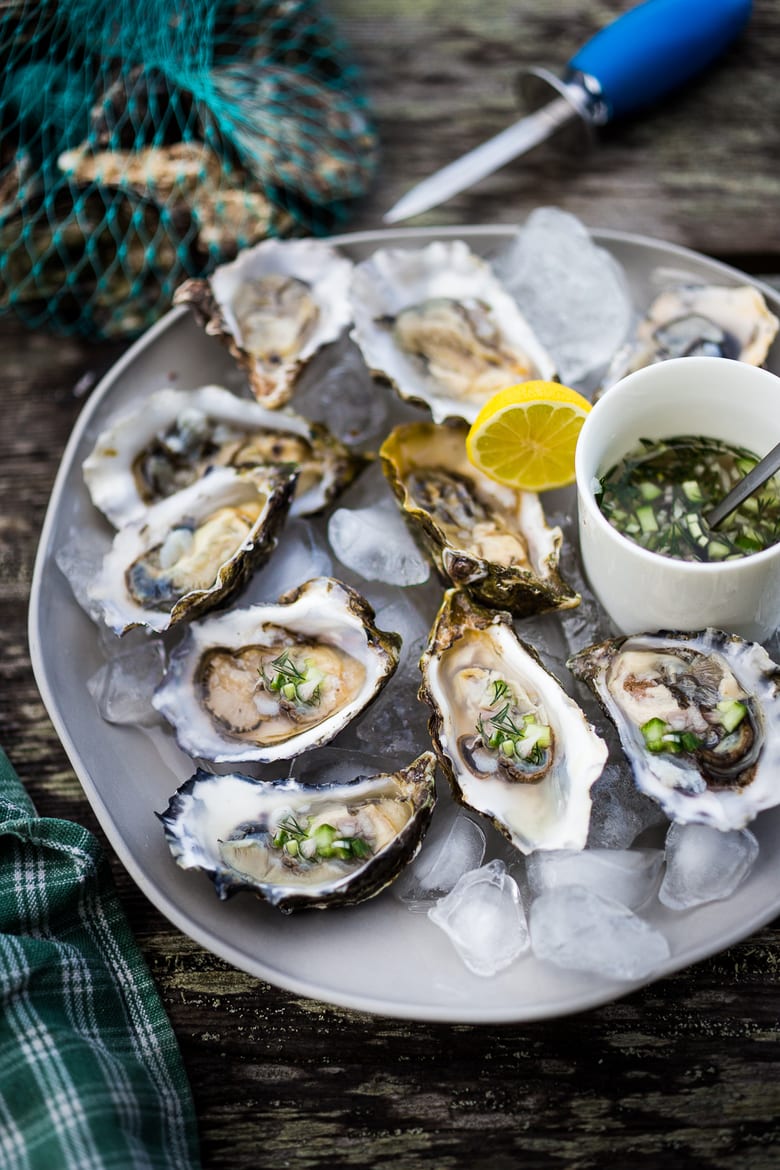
x=289, y=679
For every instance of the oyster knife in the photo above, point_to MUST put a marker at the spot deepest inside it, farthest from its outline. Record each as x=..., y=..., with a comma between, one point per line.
x=632, y=63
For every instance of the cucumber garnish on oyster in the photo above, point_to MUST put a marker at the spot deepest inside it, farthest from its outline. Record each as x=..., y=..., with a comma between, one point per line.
x=514, y=746
x=698, y=718
x=296, y=845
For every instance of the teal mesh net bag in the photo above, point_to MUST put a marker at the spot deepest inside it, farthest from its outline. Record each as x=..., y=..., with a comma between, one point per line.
x=145, y=141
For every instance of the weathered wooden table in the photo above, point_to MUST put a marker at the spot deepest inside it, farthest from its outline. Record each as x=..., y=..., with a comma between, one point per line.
x=682, y=1074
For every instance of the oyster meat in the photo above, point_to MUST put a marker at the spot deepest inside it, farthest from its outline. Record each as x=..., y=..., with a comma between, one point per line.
x=271, y=681
x=175, y=436
x=696, y=319
x=437, y=323
x=490, y=539
x=698, y=718
x=295, y=845
x=193, y=550
x=514, y=746
x=274, y=306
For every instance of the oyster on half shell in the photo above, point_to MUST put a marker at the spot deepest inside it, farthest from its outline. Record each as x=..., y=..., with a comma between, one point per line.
x=490, y=539
x=514, y=746
x=696, y=319
x=299, y=846
x=698, y=715
x=175, y=436
x=438, y=324
x=271, y=681
x=193, y=550
x=274, y=306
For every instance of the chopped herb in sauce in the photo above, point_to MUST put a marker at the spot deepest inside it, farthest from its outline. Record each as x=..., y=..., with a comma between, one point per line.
x=659, y=494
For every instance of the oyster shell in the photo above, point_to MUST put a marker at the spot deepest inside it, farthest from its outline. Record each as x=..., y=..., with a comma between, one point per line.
x=515, y=747
x=439, y=325
x=193, y=550
x=274, y=306
x=175, y=436
x=698, y=718
x=255, y=835
x=271, y=681
x=490, y=539
x=696, y=319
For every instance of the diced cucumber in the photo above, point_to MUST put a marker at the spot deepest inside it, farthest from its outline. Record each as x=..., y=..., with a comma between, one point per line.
x=717, y=550
x=731, y=713
x=649, y=491
x=647, y=519
x=653, y=732
x=692, y=491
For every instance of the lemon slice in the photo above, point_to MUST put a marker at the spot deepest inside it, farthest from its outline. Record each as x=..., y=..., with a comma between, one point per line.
x=525, y=436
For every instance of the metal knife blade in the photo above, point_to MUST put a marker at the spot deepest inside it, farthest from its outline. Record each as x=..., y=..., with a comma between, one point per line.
x=630, y=64
x=483, y=160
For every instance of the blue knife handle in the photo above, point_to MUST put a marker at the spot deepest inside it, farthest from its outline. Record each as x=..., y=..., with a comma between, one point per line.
x=652, y=49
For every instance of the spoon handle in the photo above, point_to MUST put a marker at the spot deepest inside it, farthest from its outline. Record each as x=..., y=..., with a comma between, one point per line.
x=754, y=479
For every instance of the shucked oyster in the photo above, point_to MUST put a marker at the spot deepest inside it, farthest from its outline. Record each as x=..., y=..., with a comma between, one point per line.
x=514, y=745
x=490, y=539
x=714, y=320
x=438, y=324
x=295, y=845
x=176, y=435
x=698, y=718
x=193, y=550
x=272, y=681
x=274, y=306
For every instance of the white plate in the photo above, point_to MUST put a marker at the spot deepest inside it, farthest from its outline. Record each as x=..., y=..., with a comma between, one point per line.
x=376, y=957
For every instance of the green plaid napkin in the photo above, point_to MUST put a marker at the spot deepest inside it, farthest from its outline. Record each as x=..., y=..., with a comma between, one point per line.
x=90, y=1072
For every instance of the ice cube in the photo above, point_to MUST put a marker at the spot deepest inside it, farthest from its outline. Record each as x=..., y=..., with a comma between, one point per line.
x=620, y=812
x=629, y=876
x=453, y=845
x=575, y=927
x=402, y=616
x=335, y=765
x=484, y=919
x=346, y=398
x=299, y=556
x=397, y=720
x=375, y=543
x=573, y=293
x=122, y=688
x=79, y=560
x=705, y=865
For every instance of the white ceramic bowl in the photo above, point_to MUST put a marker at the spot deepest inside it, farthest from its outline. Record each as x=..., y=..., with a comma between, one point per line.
x=643, y=591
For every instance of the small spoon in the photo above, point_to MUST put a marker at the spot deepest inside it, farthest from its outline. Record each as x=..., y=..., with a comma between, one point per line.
x=754, y=479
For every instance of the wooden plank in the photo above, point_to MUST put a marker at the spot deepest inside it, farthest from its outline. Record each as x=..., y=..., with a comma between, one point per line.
x=682, y=1074
x=699, y=170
